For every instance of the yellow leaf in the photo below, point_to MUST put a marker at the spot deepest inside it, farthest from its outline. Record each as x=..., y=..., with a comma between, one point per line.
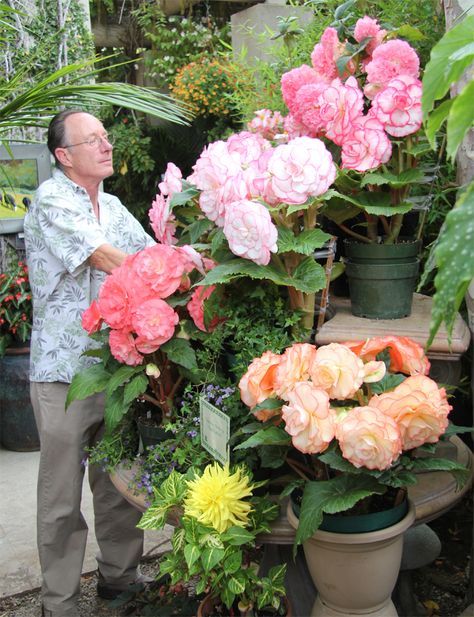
x=431, y=606
x=124, y=168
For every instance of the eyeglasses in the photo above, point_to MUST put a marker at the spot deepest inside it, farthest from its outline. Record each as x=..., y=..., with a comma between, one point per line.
x=94, y=142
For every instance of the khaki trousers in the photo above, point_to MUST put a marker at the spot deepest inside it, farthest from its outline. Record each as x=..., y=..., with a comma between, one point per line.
x=61, y=528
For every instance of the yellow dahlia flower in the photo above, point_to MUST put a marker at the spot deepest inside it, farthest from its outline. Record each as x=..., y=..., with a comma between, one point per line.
x=217, y=497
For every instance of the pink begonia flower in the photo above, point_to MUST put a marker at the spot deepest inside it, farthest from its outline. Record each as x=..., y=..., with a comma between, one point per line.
x=368, y=438
x=308, y=111
x=301, y=169
x=160, y=268
x=171, y=181
x=92, y=318
x=419, y=408
x=295, y=365
x=258, y=383
x=374, y=371
x=337, y=370
x=192, y=259
x=365, y=27
x=162, y=220
x=122, y=347
x=267, y=123
x=292, y=81
x=154, y=320
x=326, y=53
x=398, y=106
x=308, y=418
x=295, y=128
x=406, y=355
x=214, y=165
x=390, y=60
x=249, y=146
x=195, y=308
x=249, y=231
x=114, y=301
x=340, y=105
x=366, y=146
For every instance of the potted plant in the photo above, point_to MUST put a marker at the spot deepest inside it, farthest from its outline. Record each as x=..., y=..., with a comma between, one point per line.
x=18, y=426
x=362, y=95
x=355, y=422
x=214, y=545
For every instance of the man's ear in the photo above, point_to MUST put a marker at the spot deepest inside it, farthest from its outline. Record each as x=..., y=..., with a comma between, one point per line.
x=62, y=154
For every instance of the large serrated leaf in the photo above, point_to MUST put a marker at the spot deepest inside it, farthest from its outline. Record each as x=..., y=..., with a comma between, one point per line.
x=178, y=199
x=309, y=278
x=409, y=176
x=115, y=409
x=121, y=376
x=455, y=263
x=180, y=351
x=89, y=381
x=137, y=386
x=305, y=243
x=332, y=496
x=268, y=436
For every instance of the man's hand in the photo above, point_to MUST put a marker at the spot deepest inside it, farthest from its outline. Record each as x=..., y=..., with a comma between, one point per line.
x=106, y=258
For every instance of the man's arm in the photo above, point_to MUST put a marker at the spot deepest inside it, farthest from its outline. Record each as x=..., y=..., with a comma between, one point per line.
x=106, y=258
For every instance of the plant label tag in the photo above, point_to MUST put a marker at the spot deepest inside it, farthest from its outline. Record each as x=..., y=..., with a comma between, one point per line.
x=215, y=431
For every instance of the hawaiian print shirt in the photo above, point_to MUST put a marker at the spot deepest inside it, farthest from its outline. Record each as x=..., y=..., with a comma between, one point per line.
x=61, y=233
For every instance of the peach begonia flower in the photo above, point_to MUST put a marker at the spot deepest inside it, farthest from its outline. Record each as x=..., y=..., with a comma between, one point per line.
x=308, y=418
x=295, y=365
x=301, y=169
x=398, y=106
x=369, y=438
x=406, y=355
x=114, y=301
x=374, y=371
x=195, y=308
x=340, y=105
x=258, y=383
x=154, y=320
x=160, y=268
x=122, y=347
x=250, y=232
x=337, y=370
x=171, y=181
x=419, y=408
x=92, y=318
x=366, y=145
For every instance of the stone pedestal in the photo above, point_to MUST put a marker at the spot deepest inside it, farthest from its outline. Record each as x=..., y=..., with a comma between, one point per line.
x=444, y=356
x=251, y=28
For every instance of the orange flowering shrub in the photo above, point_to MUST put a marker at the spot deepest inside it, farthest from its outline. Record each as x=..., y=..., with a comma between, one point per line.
x=207, y=86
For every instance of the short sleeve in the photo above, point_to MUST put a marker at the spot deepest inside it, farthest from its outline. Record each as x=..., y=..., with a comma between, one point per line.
x=69, y=228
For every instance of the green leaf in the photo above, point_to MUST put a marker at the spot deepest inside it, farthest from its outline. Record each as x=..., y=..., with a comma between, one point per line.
x=308, y=277
x=137, y=386
x=236, y=583
x=409, y=32
x=389, y=382
x=122, y=375
x=179, y=199
x=236, y=536
x=409, y=176
x=436, y=119
x=233, y=562
x=180, y=351
x=460, y=119
x=211, y=556
x=89, y=381
x=443, y=68
x=455, y=263
x=305, y=243
x=272, y=435
x=115, y=409
x=197, y=229
x=192, y=553
x=332, y=496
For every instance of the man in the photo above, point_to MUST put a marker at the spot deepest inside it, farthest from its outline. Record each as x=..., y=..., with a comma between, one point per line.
x=75, y=234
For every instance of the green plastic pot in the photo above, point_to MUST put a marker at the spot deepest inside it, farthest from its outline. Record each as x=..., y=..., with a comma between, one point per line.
x=382, y=278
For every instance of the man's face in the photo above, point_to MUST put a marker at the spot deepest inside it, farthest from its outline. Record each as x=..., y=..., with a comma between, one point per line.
x=88, y=155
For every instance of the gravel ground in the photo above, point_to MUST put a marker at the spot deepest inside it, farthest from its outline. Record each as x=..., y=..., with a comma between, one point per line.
x=442, y=589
